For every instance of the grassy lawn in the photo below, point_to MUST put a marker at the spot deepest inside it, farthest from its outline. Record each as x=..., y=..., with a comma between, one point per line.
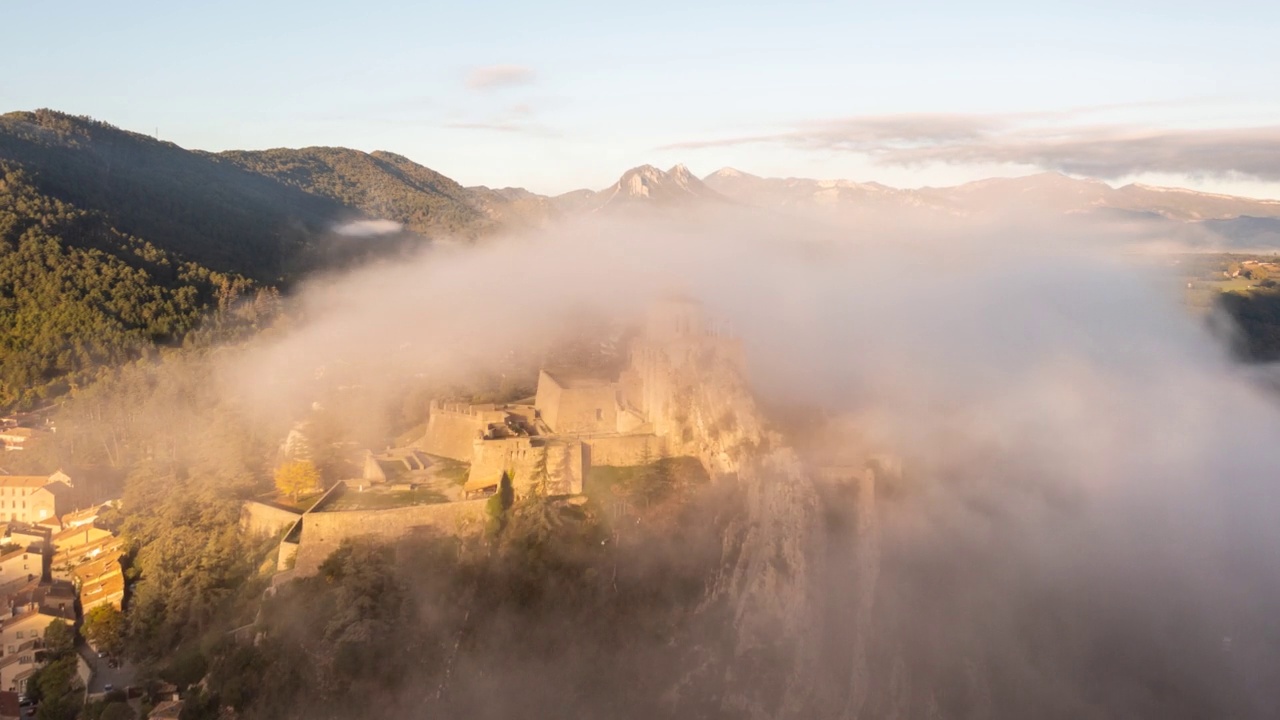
x=380, y=499
x=302, y=504
x=450, y=469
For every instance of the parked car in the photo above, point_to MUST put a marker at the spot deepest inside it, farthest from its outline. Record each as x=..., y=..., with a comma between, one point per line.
x=108, y=687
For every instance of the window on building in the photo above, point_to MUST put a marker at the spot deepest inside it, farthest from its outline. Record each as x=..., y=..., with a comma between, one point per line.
x=599, y=414
x=19, y=636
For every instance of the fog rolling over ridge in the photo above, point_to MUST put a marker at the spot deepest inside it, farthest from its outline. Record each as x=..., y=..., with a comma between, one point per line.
x=1085, y=522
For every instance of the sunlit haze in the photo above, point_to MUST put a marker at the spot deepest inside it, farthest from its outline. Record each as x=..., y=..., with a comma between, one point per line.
x=650, y=361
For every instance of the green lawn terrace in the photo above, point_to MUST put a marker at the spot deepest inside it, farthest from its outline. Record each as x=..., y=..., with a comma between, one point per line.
x=382, y=497
x=301, y=504
x=399, y=478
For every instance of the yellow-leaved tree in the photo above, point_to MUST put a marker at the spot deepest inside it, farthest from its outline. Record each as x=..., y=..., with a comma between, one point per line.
x=296, y=477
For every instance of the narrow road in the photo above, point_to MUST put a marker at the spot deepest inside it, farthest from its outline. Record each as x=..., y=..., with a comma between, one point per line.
x=119, y=677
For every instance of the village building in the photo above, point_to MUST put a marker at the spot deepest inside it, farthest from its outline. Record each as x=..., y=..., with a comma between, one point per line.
x=21, y=564
x=28, y=535
x=89, y=557
x=18, y=438
x=100, y=582
x=34, y=498
x=22, y=632
x=77, y=537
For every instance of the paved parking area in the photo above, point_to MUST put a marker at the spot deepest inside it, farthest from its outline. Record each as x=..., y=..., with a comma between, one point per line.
x=103, y=674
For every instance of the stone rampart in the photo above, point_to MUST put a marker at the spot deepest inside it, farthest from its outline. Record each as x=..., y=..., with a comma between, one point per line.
x=520, y=457
x=625, y=450
x=262, y=519
x=323, y=532
x=451, y=430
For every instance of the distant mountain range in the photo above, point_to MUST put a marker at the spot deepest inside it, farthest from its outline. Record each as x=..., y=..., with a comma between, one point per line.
x=134, y=241
x=643, y=186
x=1045, y=191
x=1177, y=216
x=270, y=215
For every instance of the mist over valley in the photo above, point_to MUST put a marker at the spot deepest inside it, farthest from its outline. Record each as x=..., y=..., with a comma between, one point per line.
x=321, y=432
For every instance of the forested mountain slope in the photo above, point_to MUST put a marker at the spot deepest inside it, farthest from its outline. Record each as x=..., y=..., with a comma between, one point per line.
x=198, y=206
x=112, y=242
x=77, y=294
x=382, y=184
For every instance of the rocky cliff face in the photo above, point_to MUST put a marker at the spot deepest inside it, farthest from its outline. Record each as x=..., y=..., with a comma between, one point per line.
x=768, y=597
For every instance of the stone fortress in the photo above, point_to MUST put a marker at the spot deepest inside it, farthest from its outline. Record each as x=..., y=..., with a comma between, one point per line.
x=682, y=393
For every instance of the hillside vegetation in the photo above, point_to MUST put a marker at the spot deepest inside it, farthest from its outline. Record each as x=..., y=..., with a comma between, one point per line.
x=113, y=243
x=382, y=184
x=203, y=209
x=77, y=295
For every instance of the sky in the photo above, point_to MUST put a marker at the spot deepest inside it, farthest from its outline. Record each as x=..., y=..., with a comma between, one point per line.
x=555, y=96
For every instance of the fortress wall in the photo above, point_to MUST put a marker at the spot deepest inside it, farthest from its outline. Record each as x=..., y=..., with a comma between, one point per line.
x=520, y=457
x=288, y=551
x=548, y=400
x=491, y=458
x=450, y=433
x=323, y=532
x=625, y=450
x=587, y=410
x=261, y=519
x=372, y=470
x=567, y=466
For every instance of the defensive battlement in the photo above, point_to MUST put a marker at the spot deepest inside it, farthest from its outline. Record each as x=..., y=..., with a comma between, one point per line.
x=455, y=408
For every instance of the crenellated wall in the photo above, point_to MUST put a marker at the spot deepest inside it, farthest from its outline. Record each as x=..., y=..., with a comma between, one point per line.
x=451, y=429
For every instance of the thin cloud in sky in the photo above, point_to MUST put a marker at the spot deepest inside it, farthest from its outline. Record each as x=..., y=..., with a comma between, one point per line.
x=494, y=77
x=1034, y=139
x=504, y=127
x=866, y=133
x=1113, y=152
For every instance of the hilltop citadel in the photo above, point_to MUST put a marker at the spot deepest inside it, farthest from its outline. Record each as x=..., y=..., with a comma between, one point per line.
x=656, y=407
x=682, y=394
